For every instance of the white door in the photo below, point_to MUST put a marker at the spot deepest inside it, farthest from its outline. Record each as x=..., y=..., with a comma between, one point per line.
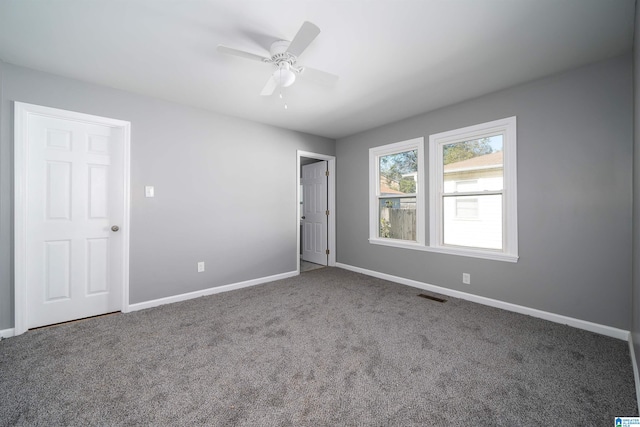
x=75, y=197
x=314, y=212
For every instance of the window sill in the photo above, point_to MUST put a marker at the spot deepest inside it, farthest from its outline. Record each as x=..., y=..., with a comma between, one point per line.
x=494, y=256
x=397, y=243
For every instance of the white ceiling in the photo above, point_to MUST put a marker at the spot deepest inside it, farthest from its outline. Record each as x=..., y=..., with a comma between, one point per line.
x=395, y=59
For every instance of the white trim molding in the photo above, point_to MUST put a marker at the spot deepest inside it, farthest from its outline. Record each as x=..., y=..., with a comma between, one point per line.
x=331, y=204
x=375, y=153
x=506, y=127
x=556, y=318
x=7, y=333
x=22, y=112
x=634, y=363
x=210, y=291
x=495, y=256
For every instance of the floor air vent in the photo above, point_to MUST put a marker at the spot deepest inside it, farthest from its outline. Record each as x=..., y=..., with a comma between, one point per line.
x=432, y=298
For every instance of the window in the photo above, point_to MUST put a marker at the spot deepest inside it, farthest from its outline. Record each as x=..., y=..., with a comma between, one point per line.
x=472, y=206
x=472, y=193
x=396, y=193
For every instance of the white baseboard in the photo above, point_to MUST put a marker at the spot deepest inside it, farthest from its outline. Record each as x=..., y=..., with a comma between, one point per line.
x=634, y=363
x=557, y=318
x=7, y=333
x=210, y=291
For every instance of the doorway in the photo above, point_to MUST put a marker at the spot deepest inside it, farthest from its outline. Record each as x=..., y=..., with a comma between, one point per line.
x=315, y=211
x=71, y=216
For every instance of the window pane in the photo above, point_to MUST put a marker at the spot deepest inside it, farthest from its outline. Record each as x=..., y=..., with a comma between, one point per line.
x=398, y=173
x=397, y=218
x=475, y=165
x=466, y=207
x=482, y=231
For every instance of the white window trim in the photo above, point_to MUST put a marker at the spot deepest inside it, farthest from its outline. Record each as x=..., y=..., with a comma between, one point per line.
x=507, y=127
x=374, y=189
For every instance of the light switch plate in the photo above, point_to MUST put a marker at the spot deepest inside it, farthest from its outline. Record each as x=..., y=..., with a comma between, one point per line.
x=149, y=191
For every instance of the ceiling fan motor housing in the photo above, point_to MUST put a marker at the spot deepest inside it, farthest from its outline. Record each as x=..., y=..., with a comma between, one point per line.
x=279, y=47
x=280, y=56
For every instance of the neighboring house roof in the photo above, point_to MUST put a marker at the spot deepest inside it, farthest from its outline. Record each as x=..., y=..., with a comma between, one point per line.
x=487, y=161
x=385, y=189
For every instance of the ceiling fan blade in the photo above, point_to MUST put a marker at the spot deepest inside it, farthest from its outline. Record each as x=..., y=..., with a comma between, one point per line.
x=319, y=76
x=240, y=53
x=269, y=87
x=306, y=34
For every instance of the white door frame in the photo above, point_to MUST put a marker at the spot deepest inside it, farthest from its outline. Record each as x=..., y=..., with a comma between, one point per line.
x=22, y=112
x=331, y=205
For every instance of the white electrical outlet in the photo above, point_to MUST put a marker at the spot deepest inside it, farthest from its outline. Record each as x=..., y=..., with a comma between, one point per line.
x=466, y=278
x=200, y=266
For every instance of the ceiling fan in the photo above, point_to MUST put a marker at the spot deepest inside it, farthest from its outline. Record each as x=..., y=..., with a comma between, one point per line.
x=284, y=56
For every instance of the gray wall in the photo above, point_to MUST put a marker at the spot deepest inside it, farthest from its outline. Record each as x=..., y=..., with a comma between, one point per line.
x=574, y=196
x=225, y=188
x=635, y=329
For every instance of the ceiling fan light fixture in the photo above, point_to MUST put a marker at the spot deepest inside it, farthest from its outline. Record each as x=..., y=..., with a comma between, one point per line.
x=283, y=76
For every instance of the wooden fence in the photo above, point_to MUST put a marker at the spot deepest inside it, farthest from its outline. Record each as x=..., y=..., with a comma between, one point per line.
x=398, y=223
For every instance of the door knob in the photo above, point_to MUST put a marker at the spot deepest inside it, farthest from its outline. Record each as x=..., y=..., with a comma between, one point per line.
x=115, y=228
x=303, y=217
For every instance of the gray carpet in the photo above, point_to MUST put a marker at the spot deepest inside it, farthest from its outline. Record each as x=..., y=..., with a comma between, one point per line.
x=329, y=347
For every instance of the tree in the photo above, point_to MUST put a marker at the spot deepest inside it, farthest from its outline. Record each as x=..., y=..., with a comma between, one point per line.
x=394, y=166
x=460, y=151
x=408, y=185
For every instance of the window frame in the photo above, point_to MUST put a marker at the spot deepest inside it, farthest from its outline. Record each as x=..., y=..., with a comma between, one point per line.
x=507, y=127
x=374, y=193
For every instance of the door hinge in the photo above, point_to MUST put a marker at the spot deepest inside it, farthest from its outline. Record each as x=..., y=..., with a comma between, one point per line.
x=326, y=213
x=327, y=251
x=326, y=173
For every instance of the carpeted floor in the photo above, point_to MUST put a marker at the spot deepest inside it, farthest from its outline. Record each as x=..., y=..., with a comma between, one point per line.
x=327, y=348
